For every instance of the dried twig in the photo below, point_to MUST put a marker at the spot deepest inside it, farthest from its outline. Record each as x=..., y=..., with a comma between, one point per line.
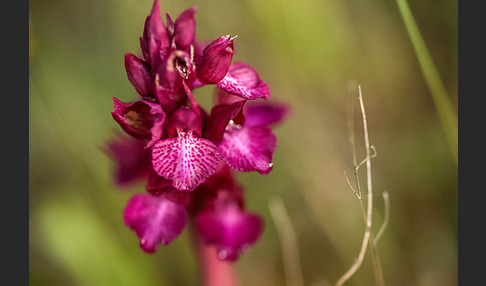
x=367, y=212
x=354, y=191
x=374, y=243
x=387, y=217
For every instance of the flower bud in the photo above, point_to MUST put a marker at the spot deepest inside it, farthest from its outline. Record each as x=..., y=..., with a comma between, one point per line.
x=155, y=39
x=185, y=28
x=215, y=60
x=138, y=73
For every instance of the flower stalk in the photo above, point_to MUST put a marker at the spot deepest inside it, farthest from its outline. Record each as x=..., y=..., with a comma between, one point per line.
x=212, y=270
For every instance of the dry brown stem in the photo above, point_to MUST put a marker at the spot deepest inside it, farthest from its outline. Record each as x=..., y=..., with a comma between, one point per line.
x=368, y=211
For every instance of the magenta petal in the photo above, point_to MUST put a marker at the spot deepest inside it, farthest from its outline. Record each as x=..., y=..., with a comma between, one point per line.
x=248, y=149
x=132, y=160
x=215, y=60
x=198, y=48
x=157, y=129
x=167, y=79
x=230, y=229
x=142, y=119
x=243, y=80
x=186, y=159
x=163, y=187
x=184, y=119
x=221, y=115
x=157, y=185
x=155, y=40
x=170, y=24
x=185, y=28
x=264, y=112
x=218, y=190
x=196, y=83
x=176, y=67
x=222, y=96
x=138, y=72
x=155, y=220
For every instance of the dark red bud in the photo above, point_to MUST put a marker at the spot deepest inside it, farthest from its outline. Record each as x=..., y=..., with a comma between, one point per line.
x=155, y=40
x=139, y=74
x=185, y=29
x=215, y=60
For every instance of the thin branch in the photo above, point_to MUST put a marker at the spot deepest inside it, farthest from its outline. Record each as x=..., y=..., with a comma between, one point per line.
x=380, y=281
x=387, y=217
x=353, y=145
x=349, y=184
x=369, y=211
x=366, y=159
x=288, y=239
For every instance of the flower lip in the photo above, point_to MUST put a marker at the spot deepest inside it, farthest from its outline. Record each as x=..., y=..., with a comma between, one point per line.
x=248, y=149
x=155, y=220
x=186, y=159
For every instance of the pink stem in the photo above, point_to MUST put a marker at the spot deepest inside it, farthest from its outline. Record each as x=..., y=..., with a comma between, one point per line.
x=213, y=271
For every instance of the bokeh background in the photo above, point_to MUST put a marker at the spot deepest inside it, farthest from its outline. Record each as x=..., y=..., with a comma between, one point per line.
x=312, y=53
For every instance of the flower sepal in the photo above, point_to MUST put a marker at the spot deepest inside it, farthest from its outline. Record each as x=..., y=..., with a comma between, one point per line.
x=215, y=60
x=155, y=219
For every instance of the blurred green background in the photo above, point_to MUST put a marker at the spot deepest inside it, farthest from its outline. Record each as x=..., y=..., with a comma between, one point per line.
x=310, y=52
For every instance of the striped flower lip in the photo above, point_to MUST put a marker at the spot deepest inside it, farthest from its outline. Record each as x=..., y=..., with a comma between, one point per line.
x=185, y=159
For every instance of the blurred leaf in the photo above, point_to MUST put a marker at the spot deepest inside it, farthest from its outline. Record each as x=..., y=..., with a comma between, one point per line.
x=442, y=102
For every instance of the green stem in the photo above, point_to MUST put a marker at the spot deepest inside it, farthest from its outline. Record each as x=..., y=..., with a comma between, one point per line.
x=442, y=102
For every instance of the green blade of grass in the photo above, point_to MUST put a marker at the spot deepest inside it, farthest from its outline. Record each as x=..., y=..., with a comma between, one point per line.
x=442, y=102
